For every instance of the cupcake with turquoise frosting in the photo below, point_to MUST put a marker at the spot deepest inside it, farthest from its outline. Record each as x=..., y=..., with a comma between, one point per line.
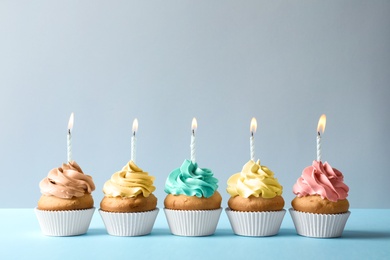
x=193, y=204
x=256, y=205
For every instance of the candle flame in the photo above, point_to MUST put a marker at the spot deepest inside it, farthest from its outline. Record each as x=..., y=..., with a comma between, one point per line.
x=253, y=127
x=135, y=126
x=321, y=124
x=194, y=125
x=70, y=123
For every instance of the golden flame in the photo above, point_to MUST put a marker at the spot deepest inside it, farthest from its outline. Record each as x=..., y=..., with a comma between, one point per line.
x=321, y=124
x=253, y=127
x=194, y=124
x=70, y=123
x=135, y=126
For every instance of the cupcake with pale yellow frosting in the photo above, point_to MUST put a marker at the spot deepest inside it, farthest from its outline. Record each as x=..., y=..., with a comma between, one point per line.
x=66, y=205
x=256, y=205
x=129, y=207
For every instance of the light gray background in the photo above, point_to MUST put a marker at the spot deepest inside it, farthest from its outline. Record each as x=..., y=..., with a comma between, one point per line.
x=164, y=62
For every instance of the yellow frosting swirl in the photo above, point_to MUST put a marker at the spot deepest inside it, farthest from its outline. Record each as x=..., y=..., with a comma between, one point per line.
x=254, y=180
x=129, y=182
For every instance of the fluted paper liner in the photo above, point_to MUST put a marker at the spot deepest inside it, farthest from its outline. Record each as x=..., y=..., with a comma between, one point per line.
x=255, y=224
x=64, y=222
x=319, y=225
x=192, y=222
x=129, y=223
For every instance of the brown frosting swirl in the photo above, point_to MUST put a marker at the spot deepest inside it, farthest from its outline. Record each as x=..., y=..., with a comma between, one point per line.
x=67, y=182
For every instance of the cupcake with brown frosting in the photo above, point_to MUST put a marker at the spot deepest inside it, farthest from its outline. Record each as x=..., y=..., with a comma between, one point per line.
x=256, y=205
x=66, y=205
x=129, y=207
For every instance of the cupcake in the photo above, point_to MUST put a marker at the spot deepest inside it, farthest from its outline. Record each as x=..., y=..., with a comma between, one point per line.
x=129, y=207
x=256, y=205
x=320, y=208
x=66, y=205
x=193, y=204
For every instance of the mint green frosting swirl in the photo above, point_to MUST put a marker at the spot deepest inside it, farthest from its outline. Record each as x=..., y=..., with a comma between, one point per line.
x=190, y=180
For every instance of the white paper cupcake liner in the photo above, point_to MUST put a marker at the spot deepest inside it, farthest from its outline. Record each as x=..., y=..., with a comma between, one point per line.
x=256, y=224
x=129, y=224
x=192, y=222
x=319, y=225
x=64, y=223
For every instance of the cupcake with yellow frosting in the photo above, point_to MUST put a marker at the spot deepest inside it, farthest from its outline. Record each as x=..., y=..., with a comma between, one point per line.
x=193, y=204
x=256, y=205
x=66, y=205
x=129, y=207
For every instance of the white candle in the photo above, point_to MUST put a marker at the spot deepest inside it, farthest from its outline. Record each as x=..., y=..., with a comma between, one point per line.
x=320, y=129
x=133, y=139
x=194, y=125
x=318, y=146
x=253, y=128
x=69, y=139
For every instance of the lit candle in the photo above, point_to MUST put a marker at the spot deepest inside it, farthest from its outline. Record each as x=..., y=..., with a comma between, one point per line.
x=69, y=140
x=253, y=128
x=193, y=128
x=320, y=129
x=133, y=139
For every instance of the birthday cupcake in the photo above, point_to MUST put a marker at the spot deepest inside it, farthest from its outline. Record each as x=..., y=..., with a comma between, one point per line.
x=129, y=207
x=256, y=205
x=193, y=204
x=321, y=206
x=66, y=205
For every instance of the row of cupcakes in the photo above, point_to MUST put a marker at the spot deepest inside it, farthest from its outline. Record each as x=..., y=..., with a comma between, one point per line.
x=193, y=204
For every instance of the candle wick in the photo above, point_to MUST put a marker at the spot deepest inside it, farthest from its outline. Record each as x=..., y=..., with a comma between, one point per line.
x=252, y=134
x=318, y=133
x=134, y=133
x=68, y=131
x=193, y=132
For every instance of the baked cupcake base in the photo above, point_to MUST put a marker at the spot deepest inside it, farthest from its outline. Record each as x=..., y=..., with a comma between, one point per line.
x=64, y=222
x=257, y=224
x=256, y=204
x=129, y=223
x=192, y=222
x=54, y=203
x=319, y=225
x=129, y=204
x=316, y=204
x=184, y=202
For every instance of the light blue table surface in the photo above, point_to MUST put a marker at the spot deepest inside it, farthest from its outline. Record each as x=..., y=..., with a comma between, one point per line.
x=366, y=236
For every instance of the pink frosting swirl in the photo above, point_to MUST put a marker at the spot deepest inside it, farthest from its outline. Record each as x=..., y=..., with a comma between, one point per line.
x=67, y=182
x=321, y=179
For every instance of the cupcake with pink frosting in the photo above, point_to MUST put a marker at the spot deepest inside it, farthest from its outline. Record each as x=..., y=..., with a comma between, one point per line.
x=320, y=208
x=66, y=206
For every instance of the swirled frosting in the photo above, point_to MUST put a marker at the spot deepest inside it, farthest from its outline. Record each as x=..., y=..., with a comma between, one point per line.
x=321, y=179
x=190, y=180
x=254, y=180
x=67, y=182
x=129, y=182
